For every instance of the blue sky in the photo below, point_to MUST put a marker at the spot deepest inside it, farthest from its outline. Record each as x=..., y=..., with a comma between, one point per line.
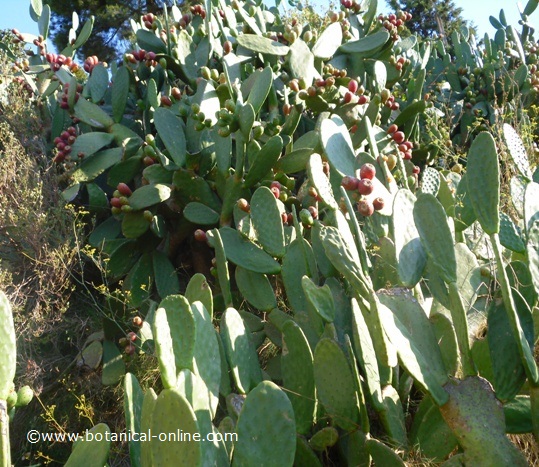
x=14, y=13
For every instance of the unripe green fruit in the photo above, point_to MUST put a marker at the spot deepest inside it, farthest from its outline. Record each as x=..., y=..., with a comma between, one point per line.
x=24, y=396
x=11, y=399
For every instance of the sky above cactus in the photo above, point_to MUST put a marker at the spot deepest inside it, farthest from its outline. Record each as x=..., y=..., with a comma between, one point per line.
x=15, y=14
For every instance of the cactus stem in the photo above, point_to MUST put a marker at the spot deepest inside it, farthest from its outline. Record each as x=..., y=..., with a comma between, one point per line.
x=5, y=454
x=458, y=314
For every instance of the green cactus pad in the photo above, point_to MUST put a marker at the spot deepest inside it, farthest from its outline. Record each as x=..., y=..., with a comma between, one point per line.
x=172, y=132
x=120, y=92
x=509, y=373
x=167, y=453
x=338, y=146
x=430, y=181
x=164, y=349
x=393, y=417
x=256, y=289
x=324, y=439
x=149, y=195
x=166, y=278
x=518, y=415
x=464, y=212
x=93, y=451
x=406, y=308
x=96, y=164
x=200, y=214
x=412, y=358
x=267, y=222
x=328, y=42
x=190, y=187
x=240, y=353
x=134, y=224
x=510, y=235
x=476, y=418
x=264, y=161
x=335, y=384
x=431, y=222
x=517, y=151
x=181, y=322
x=531, y=205
x=133, y=401
x=366, y=45
x=298, y=262
x=320, y=181
x=244, y=253
x=113, y=364
x=223, y=273
x=382, y=454
x=298, y=376
x=198, y=290
x=266, y=420
x=305, y=456
x=447, y=341
x=148, y=404
x=8, y=351
x=92, y=114
x=262, y=45
x=320, y=299
x=90, y=143
x=483, y=174
x=410, y=254
x=430, y=432
x=206, y=355
x=195, y=392
x=366, y=356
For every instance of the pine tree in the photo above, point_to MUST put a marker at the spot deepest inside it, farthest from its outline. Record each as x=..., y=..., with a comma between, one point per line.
x=112, y=29
x=431, y=18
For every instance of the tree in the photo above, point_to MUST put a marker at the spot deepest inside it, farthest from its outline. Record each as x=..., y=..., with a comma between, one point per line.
x=431, y=18
x=112, y=30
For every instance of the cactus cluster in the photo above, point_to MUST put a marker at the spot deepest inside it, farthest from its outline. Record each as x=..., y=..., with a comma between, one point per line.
x=287, y=161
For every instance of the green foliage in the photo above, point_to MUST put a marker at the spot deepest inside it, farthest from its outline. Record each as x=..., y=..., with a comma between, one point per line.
x=284, y=162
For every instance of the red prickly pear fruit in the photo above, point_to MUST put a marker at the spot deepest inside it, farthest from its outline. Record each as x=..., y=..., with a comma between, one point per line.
x=325, y=168
x=200, y=236
x=392, y=129
x=130, y=349
x=147, y=161
x=407, y=155
x=276, y=192
x=284, y=217
x=137, y=321
x=365, y=187
x=124, y=189
x=313, y=211
x=398, y=137
x=378, y=204
x=348, y=97
x=132, y=336
x=227, y=47
x=166, y=101
x=275, y=184
x=353, y=86
x=243, y=205
x=290, y=218
x=313, y=193
x=365, y=208
x=416, y=170
x=367, y=171
x=349, y=183
x=362, y=100
x=116, y=203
